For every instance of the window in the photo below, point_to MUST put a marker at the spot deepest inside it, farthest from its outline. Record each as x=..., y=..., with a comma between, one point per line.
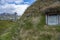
x=52, y=19
x=59, y=19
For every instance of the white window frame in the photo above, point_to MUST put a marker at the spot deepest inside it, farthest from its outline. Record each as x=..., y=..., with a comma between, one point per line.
x=48, y=18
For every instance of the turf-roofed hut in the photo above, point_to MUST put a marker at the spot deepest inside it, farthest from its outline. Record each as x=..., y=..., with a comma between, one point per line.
x=40, y=19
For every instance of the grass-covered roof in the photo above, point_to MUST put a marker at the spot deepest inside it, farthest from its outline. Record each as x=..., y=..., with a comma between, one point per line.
x=53, y=7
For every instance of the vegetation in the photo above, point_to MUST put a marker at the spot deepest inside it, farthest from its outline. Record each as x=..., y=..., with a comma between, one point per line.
x=30, y=27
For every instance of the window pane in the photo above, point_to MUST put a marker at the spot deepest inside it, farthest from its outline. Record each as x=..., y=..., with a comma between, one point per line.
x=52, y=20
x=59, y=19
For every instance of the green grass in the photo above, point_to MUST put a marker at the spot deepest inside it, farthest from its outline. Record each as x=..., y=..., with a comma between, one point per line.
x=6, y=36
x=4, y=25
x=5, y=29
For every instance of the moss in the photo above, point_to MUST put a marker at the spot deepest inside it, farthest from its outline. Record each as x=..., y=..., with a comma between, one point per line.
x=27, y=24
x=42, y=22
x=45, y=37
x=58, y=28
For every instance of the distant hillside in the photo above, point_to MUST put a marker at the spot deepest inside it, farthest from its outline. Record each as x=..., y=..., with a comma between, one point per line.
x=31, y=26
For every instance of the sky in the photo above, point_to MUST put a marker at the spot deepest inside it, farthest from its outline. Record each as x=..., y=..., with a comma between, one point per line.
x=11, y=6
